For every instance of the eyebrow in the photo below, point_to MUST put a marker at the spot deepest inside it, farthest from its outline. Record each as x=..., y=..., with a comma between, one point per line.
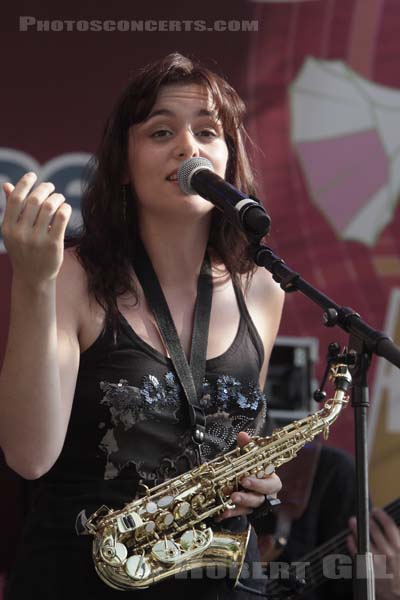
x=169, y=113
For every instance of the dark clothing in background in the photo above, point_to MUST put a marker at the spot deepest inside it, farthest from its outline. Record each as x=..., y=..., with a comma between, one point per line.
x=332, y=502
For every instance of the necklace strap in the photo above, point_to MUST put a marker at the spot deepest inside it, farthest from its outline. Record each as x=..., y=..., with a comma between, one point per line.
x=191, y=377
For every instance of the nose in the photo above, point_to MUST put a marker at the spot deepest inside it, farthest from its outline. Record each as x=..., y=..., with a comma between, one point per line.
x=186, y=145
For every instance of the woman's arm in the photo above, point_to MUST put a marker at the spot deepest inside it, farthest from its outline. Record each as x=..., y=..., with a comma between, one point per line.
x=41, y=361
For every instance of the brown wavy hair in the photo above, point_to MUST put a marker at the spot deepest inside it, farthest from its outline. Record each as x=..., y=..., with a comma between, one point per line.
x=105, y=244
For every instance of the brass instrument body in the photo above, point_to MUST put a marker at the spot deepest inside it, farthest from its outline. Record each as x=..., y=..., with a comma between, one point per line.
x=167, y=532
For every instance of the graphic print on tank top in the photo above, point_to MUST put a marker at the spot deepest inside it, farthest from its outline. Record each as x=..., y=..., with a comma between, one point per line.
x=158, y=406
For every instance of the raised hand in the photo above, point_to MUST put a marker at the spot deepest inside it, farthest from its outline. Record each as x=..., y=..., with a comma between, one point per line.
x=33, y=229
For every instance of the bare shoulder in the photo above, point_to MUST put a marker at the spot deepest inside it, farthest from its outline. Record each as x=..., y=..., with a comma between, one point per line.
x=264, y=300
x=263, y=289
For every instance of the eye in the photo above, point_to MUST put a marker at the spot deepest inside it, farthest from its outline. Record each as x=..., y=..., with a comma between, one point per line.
x=161, y=133
x=207, y=133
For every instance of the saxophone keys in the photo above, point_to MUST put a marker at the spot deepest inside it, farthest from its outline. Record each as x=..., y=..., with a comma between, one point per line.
x=193, y=539
x=164, y=520
x=269, y=470
x=198, y=501
x=151, y=508
x=121, y=552
x=168, y=519
x=166, y=551
x=128, y=522
x=228, y=490
x=165, y=501
x=181, y=510
x=149, y=527
x=207, y=484
x=137, y=567
x=114, y=554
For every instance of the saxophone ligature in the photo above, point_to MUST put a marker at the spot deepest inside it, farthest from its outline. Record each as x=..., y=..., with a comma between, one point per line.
x=167, y=532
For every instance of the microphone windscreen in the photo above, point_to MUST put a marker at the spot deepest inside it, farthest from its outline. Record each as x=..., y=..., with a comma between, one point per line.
x=186, y=171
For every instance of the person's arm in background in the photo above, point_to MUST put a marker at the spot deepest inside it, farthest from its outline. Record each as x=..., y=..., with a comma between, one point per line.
x=385, y=546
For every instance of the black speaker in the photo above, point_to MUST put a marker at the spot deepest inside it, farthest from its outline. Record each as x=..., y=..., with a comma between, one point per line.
x=290, y=381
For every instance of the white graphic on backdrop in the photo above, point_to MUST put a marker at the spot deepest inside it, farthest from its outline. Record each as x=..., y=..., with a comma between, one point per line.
x=65, y=171
x=346, y=131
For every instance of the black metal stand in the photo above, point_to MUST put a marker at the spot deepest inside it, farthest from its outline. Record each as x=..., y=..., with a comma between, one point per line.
x=364, y=341
x=364, y=581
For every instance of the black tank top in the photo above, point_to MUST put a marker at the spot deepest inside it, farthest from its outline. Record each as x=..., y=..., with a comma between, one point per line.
x=129, y=423
x=130, y=420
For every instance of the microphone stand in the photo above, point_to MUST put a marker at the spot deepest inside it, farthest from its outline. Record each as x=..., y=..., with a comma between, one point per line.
x=363, y=342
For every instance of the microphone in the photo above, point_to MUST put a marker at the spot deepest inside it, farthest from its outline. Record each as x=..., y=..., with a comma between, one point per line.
x=196, y=176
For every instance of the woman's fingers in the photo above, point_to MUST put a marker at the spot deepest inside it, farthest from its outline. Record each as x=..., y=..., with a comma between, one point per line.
x=16, y=197
x=33, y=228
x=8, y=188
x=233, y=512
x=47, y=211
x=254, y=489
x=247, y=499
x=243, y=438
x=34, y=203
x=34, y=211
x=270, y=485
x=60, y=221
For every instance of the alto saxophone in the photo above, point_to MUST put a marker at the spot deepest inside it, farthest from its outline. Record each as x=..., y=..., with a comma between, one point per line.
x=165, y=533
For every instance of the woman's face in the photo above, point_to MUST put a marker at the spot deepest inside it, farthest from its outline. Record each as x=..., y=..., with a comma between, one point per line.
x=181, y=125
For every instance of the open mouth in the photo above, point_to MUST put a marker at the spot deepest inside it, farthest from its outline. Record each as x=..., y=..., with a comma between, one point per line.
x=172, y=177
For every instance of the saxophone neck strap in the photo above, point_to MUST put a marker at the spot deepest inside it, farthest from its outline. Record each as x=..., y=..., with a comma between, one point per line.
x=191, y=375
